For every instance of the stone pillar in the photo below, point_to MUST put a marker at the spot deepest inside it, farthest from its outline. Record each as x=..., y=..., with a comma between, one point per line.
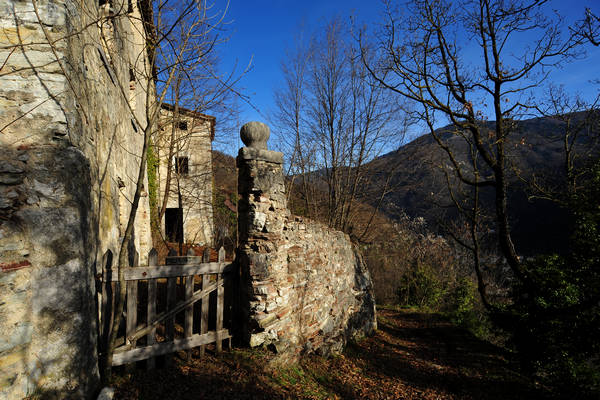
x=304, y=287
x=262, y=214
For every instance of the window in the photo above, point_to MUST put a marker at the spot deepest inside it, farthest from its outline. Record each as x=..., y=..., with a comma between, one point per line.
x=174, y=225
x=182, y=125
x=181, y=165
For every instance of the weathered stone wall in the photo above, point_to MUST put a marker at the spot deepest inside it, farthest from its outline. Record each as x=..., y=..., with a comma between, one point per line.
x=305, y=286
x=192, y=190
x=70, y=148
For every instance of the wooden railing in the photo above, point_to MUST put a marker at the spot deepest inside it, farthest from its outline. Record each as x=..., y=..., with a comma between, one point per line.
x=194, y=280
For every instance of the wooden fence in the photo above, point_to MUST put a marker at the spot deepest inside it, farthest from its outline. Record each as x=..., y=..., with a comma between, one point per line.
x=194, y=279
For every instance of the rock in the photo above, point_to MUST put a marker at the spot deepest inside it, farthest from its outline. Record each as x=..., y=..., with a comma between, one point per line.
x=10, y=174
x=258, y=221
x=107, y=393
x=257, y=339
x=255, y=135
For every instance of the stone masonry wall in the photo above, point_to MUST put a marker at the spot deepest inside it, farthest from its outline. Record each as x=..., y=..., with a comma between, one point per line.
x=69, y=155
x=305, y=286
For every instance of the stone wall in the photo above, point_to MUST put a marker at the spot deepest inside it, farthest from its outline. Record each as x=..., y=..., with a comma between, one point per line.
x=304, y=285
x=70, y=148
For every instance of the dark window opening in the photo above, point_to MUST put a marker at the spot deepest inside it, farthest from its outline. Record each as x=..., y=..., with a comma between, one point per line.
x=182, y=125
x=181, y=165
x=174, y=225
x=129, y=6
x=109, y=4
x=131, y=75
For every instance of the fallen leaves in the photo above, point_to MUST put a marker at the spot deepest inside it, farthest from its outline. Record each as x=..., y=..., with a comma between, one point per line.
x=412, y=356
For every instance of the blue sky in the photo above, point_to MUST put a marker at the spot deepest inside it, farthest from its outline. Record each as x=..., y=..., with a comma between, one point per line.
x=260, y=31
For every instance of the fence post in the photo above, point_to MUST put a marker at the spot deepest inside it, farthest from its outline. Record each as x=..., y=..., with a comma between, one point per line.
x=205, y=301
x=151, y=337
x=189, y=311
x=107, y=299
x=170, y=322
x=220, y=299
x=131, y=317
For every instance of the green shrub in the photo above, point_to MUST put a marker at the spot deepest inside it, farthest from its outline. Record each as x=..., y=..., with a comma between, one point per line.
x=420, y=287
x=555, y=320
x=555, y=329
x=462, y=302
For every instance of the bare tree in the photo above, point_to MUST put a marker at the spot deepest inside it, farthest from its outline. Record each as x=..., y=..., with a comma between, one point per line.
x=578, y=141
x=291, y=106
x=589, y=28
x=190, y=50
x=337, y=118
x=424, y=58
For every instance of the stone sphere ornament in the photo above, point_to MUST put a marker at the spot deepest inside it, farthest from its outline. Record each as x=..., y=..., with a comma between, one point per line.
x=255, y=134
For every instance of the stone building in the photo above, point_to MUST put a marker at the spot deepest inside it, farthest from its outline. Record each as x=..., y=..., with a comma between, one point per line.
x=185, y=139
x=73, y=88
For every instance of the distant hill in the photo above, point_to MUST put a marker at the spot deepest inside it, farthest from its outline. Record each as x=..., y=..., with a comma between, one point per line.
x=418, y=186
x=224, y=172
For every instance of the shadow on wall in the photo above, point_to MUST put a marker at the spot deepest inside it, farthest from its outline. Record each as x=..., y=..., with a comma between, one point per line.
x=364, y=321
x=62, y=140
x=47, y=248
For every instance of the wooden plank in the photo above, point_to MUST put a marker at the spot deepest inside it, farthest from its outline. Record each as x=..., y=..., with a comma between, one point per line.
x=167, y=314
x=181, y=260
x=131, y=316
x=220, y=305
x=220, y=298
x=115, y=287
x=205, y=302
x=170, y=321
x=142, y=353
x=135, y=259
x=132, y=286
x=189, y=311
x=107, y=298
x=170, y=271
x=151, y=310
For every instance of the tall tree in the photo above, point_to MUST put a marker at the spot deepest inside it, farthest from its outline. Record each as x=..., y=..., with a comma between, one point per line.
x=337, y=118
x=463, y=62
x=189, y=50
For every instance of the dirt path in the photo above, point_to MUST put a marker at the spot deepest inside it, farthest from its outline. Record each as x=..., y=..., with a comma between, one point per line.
x=412, y=356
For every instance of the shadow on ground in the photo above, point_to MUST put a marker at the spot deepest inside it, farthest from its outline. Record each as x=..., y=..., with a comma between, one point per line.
x=412, y=356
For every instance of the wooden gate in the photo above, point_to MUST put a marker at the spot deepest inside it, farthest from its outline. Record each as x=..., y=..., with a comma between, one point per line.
x=192, y=279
